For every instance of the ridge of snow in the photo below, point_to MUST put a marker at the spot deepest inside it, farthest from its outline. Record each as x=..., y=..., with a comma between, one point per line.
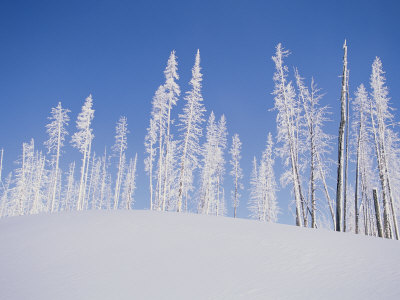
x=153, y=255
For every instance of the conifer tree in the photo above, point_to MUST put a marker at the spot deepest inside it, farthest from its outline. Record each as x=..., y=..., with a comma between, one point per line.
x=172, y=92
x=236, y=171
x=82, y=140
x=150, y=141
x=190, y=126
x=287, y=125
x=119, y=149
x=381, y=118
x=57, y=132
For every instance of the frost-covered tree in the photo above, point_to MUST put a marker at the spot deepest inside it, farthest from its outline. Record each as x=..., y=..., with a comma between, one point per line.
x=236, y=171
x=56, y=130
x=4, y=200
x=220, y=164
x=82, y=140
x=254, y=204
x=119, y=149
x=28, y=196
x=159, y=116
x=190, y=126
x=150, y=141
x=381, y=120
x=207, y=176
x=23, y=178
x=172, y=92
x=70, y=189
x=211, y=200
x=287, y=126
x=318, y=144
x=105, y=184
x=129, y=185
x=39, y=179
x=263, y=205
x=364, y=173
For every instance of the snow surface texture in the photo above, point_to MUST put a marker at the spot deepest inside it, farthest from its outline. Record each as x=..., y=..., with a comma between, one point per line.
x=150, y=255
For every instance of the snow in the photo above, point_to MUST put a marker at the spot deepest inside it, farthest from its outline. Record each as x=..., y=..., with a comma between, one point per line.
x=151, y=255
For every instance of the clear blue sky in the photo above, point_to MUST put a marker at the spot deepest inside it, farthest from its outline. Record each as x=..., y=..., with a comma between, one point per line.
x=117, y=50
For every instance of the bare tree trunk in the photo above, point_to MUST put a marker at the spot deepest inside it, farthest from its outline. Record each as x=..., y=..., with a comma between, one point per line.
x=339, y=188
x=386, y=220
x=392, y=209
x=312, y=184
x=346, y=157
x=167, y=153
x=356, y=210
x=377, y=213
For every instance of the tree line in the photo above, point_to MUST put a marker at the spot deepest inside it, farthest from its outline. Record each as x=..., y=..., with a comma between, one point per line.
x=186, y=159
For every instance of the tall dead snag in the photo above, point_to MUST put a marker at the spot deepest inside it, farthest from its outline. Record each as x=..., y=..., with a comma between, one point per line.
x=346, y=161
x=341, y=143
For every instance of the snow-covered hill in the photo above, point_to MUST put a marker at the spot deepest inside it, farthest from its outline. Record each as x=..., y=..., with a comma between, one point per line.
x=149, y=255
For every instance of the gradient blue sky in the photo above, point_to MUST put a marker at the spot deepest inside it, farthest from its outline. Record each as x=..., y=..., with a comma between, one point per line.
x=117, y=50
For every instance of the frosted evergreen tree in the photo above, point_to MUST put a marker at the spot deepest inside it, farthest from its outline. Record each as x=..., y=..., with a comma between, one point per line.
x=364, y=180
x=70, y=189
x=150, y=141
x=82, y=140
x=56, y=130
x=221, y=143
x=4, y=200
x=382, y=116
x=236, y=171
x=119, y=149
x=129, y=184
x=263, y=205
x=105, y=188
x=190, y=126
x=318, y=144
x=211, y=199
x=206, y=193
x=39, y=179
x=172, y=92
x=287, y=126
x=159, y=116
x=23, y=180
x=254, y=204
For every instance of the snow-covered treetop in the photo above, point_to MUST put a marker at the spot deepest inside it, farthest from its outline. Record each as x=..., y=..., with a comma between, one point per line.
x=56, y=128
x=171, y=74
x=82, y=138
x=121, y=140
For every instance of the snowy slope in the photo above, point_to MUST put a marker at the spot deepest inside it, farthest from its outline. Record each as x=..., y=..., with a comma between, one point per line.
x=149, y=255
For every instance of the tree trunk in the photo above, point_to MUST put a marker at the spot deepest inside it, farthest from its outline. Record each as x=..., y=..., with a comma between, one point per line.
x=346, y=157
x=341, y=142
x=377, y=214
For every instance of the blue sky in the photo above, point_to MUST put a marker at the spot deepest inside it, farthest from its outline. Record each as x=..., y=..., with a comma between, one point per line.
x=54, y=51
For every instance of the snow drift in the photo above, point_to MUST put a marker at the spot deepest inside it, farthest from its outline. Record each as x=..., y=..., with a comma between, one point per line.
x=150, y=255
